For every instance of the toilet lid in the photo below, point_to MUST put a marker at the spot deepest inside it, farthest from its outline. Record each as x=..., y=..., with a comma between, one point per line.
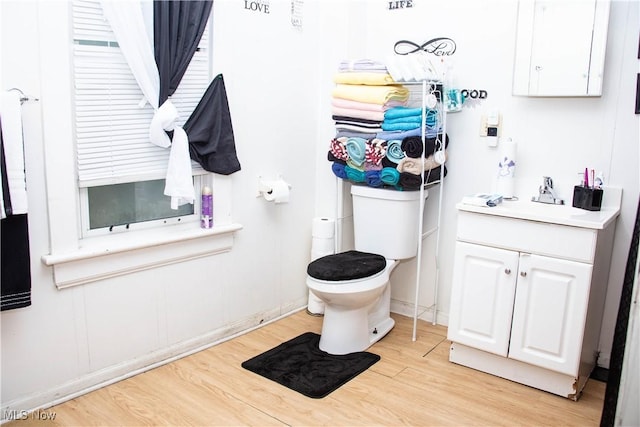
x=348, y=265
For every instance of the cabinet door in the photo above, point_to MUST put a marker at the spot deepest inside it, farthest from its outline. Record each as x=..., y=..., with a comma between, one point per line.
x=560, y=47
x=549, y=312
x=482, y=296
x=560, y=58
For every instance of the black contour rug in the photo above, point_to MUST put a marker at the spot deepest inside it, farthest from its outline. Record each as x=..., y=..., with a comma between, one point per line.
x=300, y=365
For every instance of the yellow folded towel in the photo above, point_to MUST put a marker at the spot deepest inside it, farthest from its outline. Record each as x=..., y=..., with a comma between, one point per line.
x=371, y=94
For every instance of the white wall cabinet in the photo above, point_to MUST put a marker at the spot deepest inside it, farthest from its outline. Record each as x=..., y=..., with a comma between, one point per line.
x=560, y=47
x=528, y=296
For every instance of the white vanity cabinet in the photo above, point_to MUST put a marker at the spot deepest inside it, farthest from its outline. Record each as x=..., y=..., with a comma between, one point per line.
x=528, y=293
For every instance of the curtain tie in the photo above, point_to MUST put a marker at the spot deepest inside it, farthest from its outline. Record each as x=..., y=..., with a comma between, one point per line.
x=164, y=119
x=178, y=183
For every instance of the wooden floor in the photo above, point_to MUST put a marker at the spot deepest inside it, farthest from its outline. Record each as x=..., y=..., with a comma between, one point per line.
x=413, y=384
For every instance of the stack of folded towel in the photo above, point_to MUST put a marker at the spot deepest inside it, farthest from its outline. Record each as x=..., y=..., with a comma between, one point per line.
x=378, y=136
x=407, y=119
x=393, y=163
x=364, y=91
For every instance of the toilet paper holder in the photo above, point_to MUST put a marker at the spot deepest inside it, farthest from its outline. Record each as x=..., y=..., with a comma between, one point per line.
x=266, y=187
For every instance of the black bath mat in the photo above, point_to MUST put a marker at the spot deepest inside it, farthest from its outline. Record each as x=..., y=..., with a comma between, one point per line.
x=300, y=365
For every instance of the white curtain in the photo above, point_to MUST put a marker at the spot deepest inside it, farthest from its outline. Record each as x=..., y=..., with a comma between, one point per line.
x=127, y=22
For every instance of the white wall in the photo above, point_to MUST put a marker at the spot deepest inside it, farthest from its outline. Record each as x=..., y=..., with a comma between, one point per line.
x=71, y=339
x=556, y=137
x=278, y=80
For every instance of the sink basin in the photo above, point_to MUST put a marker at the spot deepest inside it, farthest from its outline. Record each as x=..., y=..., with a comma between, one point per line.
x=544, y=208
x=543, y=212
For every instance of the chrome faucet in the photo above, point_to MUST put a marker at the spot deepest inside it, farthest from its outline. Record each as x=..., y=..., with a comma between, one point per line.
x=547, y=193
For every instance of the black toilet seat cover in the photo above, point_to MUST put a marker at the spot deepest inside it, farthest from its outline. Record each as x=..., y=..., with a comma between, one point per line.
x=348, y=265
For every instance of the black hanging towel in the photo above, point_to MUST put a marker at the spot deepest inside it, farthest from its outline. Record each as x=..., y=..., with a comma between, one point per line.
x=15, y=264
x=210, y=131
x=15, y=261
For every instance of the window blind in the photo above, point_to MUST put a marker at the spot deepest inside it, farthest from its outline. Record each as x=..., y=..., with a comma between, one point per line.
x=111, y=128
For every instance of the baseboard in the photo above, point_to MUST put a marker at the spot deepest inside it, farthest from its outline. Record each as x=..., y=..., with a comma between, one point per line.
x=600, y=374
x=104, y=377
x=514, y=370
x=424, y=313
x=604, y=359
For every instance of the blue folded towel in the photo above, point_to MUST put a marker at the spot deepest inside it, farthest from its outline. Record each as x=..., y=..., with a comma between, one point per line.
x=395, y=112
x=387, y=135
x=354, y=174
x=398, y=113
x=372, y=178
x=389, y=176
x=394, y=150
x=400, y=126
x=411, y=119
x=339, y=170
x=356, y=148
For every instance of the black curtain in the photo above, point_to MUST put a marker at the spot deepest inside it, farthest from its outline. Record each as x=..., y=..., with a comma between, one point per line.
x=620, y=332
x=178, y=27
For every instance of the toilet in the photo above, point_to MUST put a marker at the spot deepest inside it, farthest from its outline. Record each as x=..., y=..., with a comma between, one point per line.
x=354, y=285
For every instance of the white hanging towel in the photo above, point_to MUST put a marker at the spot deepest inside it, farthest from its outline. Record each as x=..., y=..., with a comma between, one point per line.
x=13, y=147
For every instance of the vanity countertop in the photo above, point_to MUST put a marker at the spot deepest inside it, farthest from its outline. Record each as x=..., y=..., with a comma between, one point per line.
x=555, y=214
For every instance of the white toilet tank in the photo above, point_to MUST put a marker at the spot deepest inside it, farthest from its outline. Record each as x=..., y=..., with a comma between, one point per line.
x=385, y=222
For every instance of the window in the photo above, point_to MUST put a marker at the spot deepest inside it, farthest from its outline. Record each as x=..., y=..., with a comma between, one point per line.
x=120, y=173
x=116, y=207
x=76, y=256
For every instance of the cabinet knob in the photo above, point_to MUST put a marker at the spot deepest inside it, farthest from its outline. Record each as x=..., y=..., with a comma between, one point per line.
x=523, y=273
x=507, y=271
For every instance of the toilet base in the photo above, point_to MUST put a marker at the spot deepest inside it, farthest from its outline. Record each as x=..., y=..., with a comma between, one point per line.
x=367, y=325
x=358, y=337
x=380, y=330
x=348, y=329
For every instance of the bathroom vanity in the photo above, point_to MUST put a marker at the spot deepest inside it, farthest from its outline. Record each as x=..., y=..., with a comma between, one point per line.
x=528, y=291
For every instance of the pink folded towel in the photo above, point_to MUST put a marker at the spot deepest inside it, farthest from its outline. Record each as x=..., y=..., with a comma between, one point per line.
x=347, y=103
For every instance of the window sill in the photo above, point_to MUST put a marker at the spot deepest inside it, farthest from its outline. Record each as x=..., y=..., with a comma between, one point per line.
x=111, y=256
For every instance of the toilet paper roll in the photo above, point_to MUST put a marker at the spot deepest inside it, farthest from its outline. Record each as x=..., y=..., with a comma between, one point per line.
x=319, y=254
x=323, y=246
x=314, y=304
x=278, y=193
x=323, y=227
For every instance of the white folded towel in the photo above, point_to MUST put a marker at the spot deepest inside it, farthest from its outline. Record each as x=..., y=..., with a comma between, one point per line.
x=13, y=145
x=413, y=67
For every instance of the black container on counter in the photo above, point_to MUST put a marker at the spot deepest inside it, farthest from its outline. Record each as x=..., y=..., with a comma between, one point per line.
x=587, y=198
